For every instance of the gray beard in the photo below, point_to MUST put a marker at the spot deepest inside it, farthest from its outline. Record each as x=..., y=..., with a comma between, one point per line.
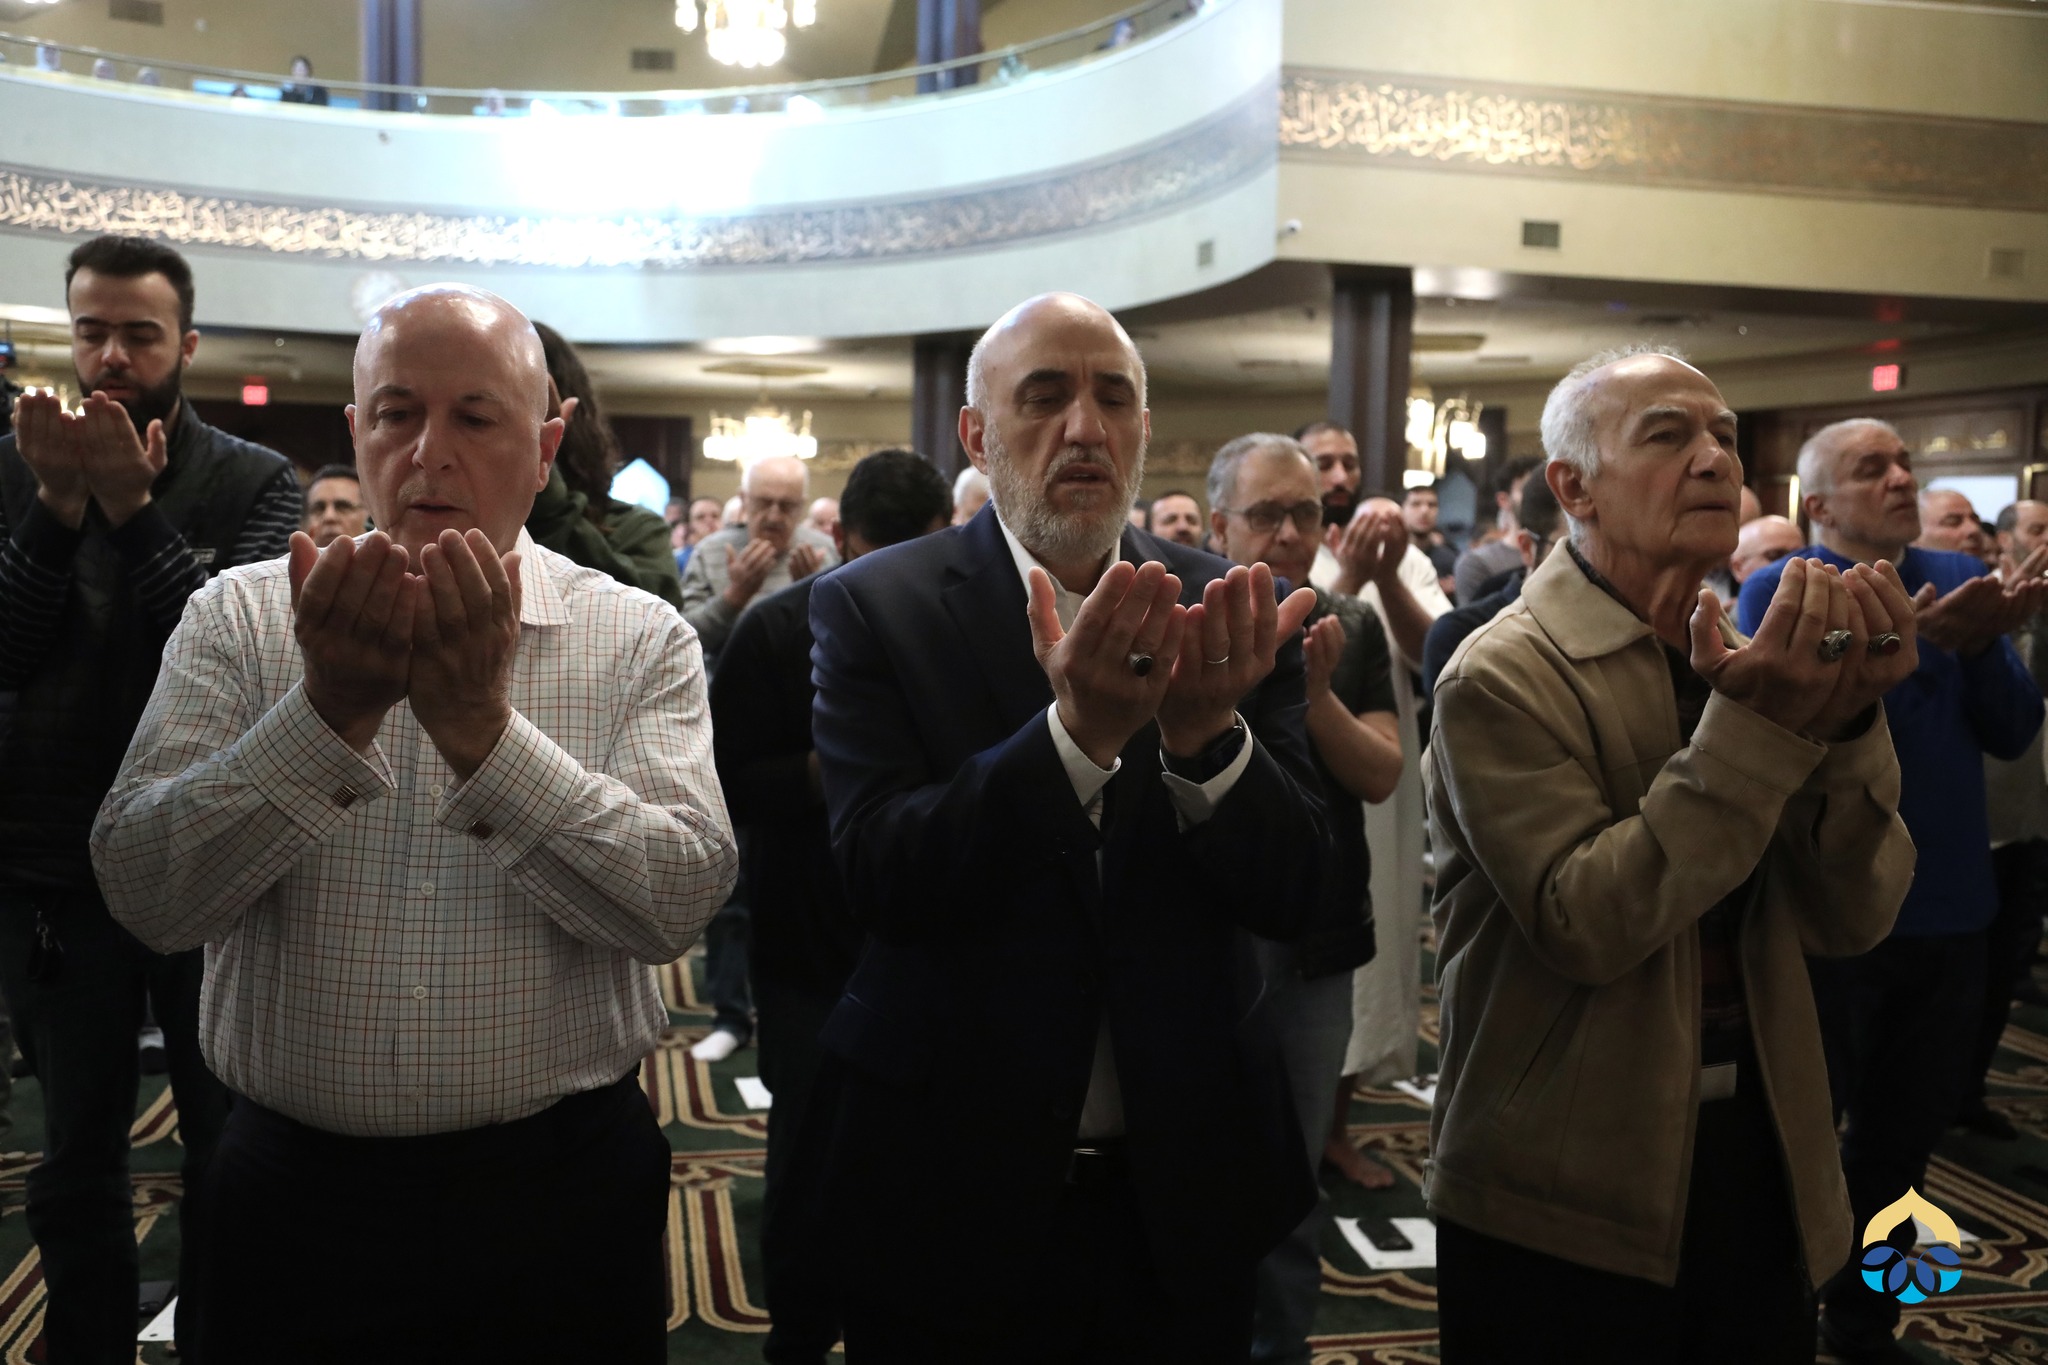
x=1058, y=537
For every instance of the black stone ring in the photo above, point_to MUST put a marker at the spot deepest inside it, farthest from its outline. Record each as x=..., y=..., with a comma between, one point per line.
x=1141, y=664
x=1834, y=645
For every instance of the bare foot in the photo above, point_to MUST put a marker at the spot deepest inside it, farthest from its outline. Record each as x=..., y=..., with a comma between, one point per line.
x=1355, y=1165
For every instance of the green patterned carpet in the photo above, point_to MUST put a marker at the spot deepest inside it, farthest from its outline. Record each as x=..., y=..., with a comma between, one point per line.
x=1999, y=1191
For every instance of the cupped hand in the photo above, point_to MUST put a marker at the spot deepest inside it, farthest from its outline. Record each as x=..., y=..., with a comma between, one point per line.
x=1233, y=635
x=1778, y=673
x=1970, y=618
x=1321, y=648
x=49, y=441
x=746, y=571
x=804, y=560
x=352, y=615
x=465, y=639
x=120, y=465
x=1878, y=606
x=1133, y=611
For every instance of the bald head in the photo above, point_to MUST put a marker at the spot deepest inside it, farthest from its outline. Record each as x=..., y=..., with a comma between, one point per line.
x=1761, y=542
x=1949, y=522
x=467, y=319
x=450, y=419
x=999, y=342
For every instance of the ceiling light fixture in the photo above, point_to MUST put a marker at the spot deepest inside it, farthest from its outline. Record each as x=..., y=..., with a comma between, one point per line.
x=746, y=32
x=1435, y=430
x=763, y=434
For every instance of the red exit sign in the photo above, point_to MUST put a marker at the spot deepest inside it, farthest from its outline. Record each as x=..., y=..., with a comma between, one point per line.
x=1887, y=378
x=255, y=393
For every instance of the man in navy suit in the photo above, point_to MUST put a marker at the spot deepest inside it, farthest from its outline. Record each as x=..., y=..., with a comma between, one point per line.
x=1066, y=770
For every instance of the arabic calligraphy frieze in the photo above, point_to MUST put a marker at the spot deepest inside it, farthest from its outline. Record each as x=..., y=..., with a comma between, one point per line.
x=1657, y=140
x=1203, y=161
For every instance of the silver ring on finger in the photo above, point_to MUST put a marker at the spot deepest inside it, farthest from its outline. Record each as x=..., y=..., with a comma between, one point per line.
x=1217, y=663
x=1141, y=664
x=1834, y=645
x=1887, y=643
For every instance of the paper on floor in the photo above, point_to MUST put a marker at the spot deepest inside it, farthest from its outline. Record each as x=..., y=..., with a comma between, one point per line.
x=160, y=1326
x=1420, y=1231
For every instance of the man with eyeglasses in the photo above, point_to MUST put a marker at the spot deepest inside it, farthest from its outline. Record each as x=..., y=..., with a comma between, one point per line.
x=334, y=505
x=1262, y=488
x=770, y=548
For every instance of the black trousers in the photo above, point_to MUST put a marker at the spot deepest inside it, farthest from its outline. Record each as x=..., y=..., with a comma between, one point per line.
x=76, y=1011
x=2009, y=945
x=795, y=1267
x=1099, y=1299
x=538, y=1240
x=1498, y=1302
x=1899, y=1024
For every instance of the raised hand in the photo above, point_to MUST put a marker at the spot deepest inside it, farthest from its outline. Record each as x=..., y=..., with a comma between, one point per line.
x=1103, y=700
x=1779, y=673
x=2034, y=565
x=49, y=439
x=1878, y=605
x=1228, y=648
x=119, y=465
x=804, y=560
x=1321, y=648
x=746, y=571
x=464, y=640
x=352, y=613
x=1970, y=618
x=1372, y=547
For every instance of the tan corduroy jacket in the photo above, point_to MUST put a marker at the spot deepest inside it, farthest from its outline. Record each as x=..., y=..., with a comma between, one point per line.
x=1578, y=845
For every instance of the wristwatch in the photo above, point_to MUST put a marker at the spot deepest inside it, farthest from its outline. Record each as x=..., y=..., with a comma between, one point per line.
x=1217, y=755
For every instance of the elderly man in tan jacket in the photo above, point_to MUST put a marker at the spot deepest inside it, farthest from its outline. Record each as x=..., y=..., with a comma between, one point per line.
x=1645, y=821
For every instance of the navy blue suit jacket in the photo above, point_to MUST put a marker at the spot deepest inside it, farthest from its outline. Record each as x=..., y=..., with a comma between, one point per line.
x=995, y=946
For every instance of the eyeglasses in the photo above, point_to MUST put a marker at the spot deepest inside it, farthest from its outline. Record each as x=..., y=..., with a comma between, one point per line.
x=1265, y=517
x=788, y=508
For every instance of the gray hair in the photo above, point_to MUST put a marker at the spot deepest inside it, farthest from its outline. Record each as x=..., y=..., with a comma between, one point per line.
x=1222, y=487
x=1817, y=456
x=970, y=479
x=1568, y=414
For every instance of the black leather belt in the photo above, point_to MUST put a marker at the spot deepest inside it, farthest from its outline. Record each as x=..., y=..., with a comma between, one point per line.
x=1098, y=1163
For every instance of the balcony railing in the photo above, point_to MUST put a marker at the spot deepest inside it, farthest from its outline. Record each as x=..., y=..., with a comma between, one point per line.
x=1018, y=62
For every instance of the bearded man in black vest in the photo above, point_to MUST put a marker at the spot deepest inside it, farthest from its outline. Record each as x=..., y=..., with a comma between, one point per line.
x=110, y=517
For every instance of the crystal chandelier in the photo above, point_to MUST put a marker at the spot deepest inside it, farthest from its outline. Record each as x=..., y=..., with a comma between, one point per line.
x=764, y=433
x=1435, y=431
x=746, y=32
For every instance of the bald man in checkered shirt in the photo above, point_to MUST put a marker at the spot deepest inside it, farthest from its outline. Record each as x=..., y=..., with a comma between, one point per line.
x=433, y=800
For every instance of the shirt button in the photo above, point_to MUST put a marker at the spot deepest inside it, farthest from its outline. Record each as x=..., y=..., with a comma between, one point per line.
x=434, y=790
x=426, y=888
x=419, y=992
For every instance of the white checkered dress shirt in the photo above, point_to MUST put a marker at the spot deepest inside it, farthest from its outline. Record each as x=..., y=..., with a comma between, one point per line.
x=391, y=951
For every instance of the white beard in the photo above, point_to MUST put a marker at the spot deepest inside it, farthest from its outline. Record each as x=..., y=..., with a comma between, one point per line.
x=1060, y=537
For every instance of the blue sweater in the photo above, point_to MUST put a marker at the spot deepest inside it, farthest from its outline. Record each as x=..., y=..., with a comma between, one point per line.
x=1943, y=719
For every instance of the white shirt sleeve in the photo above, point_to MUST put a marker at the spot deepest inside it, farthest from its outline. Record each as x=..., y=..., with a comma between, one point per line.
x=1088, y=779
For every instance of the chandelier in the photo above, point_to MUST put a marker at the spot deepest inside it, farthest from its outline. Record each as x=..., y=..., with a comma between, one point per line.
x=746, y=32
x=764, y=433
x=1434, y=431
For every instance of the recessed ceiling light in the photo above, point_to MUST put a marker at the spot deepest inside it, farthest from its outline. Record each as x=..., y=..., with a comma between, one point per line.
x=765, y=345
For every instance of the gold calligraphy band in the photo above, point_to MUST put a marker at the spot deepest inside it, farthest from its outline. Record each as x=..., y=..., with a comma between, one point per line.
x=1141, y=664
x=1886, y=644
x=1834, y=645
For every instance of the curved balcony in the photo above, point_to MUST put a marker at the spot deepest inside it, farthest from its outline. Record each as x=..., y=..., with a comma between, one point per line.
x=1132, y=172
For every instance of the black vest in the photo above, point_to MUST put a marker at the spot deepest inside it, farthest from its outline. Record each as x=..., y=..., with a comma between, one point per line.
x=64, y=734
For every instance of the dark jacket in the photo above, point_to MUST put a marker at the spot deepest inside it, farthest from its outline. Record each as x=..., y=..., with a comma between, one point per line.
x=997, y=948
x=629, y=543
x=801, y=934
x=82, y=640
x=1448, y=631
x=1944, y=719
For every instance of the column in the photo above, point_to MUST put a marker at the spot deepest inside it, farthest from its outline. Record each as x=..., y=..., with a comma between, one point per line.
x=947, y=29
x=1372, y=317
x=390, y=32
x=938, y=390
